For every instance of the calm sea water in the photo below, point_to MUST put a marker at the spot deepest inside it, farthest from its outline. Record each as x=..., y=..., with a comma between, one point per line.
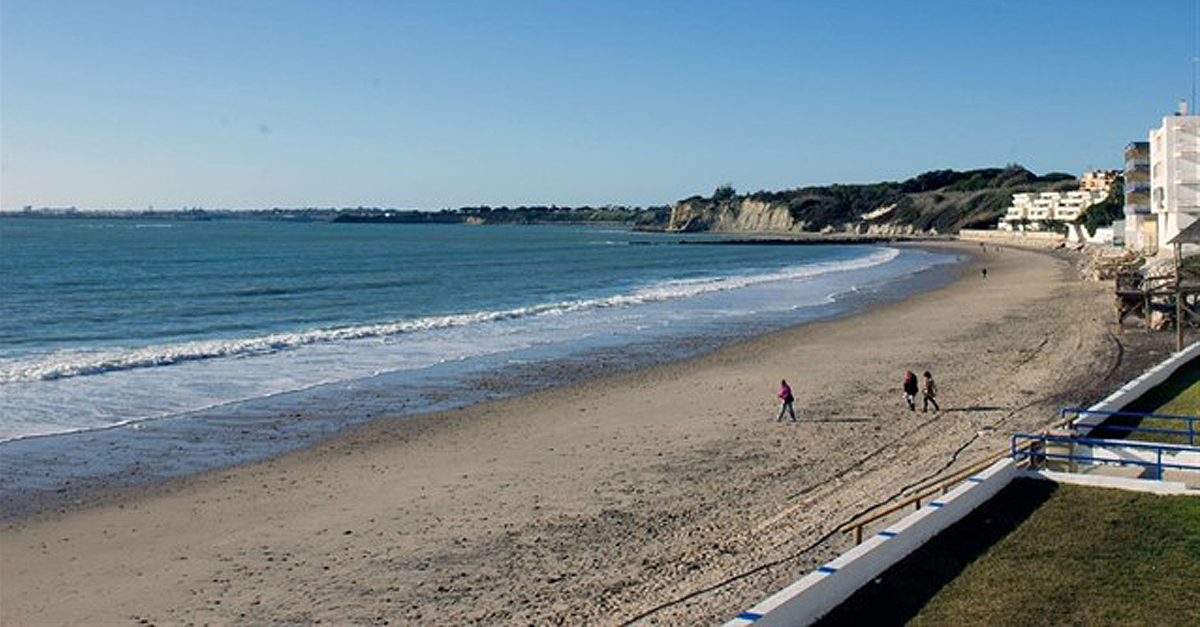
x=114, y=322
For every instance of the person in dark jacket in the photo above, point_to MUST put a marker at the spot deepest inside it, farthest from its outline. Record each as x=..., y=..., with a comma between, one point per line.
x=910, y=390
x=929, y=392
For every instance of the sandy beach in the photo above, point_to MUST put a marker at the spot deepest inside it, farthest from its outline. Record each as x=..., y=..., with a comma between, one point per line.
x=667, y=495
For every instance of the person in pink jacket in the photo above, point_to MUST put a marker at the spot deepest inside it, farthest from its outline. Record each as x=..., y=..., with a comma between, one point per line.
x=785, y=395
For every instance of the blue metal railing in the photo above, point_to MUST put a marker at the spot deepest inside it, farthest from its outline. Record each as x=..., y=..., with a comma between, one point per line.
x=1191, y=432
x=1036, y=451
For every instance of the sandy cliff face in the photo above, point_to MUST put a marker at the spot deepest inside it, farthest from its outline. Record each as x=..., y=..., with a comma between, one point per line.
x=741, y=215
x=746, y=215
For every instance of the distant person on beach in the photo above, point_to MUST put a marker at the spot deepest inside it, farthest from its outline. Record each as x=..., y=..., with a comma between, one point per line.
x=929, y=392
x=910, y=390
x=785, y=395
x=984, y=272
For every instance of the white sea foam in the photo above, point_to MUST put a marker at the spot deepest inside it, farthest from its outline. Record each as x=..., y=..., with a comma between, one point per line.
x=68, y=365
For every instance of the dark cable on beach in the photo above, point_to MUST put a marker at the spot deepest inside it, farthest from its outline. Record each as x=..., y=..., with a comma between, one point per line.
x=824, y=538
x=1120, y=352
x=761, y=567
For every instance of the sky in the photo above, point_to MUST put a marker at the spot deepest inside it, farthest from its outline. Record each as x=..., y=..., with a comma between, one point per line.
x=129, y=104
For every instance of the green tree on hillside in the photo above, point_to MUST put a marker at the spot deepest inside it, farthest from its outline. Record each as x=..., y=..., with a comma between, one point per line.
x=724, y=192
x=1107, y=211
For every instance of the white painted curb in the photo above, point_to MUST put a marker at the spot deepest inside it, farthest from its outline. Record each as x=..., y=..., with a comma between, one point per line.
x=1115, y=454
x=815, y=594
x=1108, y=481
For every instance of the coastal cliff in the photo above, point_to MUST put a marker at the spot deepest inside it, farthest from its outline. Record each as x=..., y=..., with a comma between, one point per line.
x=941, y=201
x=746, y=215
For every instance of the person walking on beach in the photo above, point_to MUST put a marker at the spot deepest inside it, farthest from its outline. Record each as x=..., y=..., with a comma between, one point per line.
x=929, y=392
x=910, y=390
x=785, y=395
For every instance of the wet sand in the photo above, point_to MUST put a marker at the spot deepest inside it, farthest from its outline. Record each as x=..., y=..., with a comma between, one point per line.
x=668, y=493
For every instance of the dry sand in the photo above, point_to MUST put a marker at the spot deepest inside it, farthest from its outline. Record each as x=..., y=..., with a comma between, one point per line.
x=593, y=503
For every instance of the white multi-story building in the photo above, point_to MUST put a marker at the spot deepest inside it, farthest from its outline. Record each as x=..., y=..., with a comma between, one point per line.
x=1035, y=209
x=1175, y=174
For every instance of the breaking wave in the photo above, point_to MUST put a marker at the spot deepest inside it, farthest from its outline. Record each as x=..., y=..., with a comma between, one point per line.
x=74, y=364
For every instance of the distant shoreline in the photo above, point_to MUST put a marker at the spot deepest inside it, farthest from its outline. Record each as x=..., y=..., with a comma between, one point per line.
x=630, y=217
x=415, y=217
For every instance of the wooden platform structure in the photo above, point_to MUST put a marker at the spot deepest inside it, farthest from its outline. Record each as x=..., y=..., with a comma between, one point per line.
x=1177, y=297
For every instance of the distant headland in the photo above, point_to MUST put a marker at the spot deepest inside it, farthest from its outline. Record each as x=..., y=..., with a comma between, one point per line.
x=932, y=203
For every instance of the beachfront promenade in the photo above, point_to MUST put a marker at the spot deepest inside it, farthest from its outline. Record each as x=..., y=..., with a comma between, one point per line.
x=962, y=513
x=666, y=493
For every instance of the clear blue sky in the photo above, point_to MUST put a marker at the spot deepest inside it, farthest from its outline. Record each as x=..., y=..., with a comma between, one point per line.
x=432, y=104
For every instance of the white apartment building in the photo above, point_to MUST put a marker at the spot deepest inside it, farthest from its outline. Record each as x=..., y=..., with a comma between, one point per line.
x=1174, y=175
x=1035, y=209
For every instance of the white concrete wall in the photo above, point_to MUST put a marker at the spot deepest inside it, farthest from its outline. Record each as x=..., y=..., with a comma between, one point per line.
x=1015, y=238
x=1189, y=457
x=1107, y=481
x=819, y=592
x=1117, y=237
x=1111, y=235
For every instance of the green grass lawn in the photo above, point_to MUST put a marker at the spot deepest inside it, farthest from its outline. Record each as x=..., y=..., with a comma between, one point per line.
x=1040, y=553
x=1045, y=554
x=1179, y=396
x=1086, y=556
x=1186, y=401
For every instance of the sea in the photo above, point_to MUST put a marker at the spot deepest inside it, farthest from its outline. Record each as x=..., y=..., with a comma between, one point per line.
x=137, y=350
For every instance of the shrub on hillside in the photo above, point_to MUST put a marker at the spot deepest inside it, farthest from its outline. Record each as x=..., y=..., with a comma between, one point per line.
x=1107, y=211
